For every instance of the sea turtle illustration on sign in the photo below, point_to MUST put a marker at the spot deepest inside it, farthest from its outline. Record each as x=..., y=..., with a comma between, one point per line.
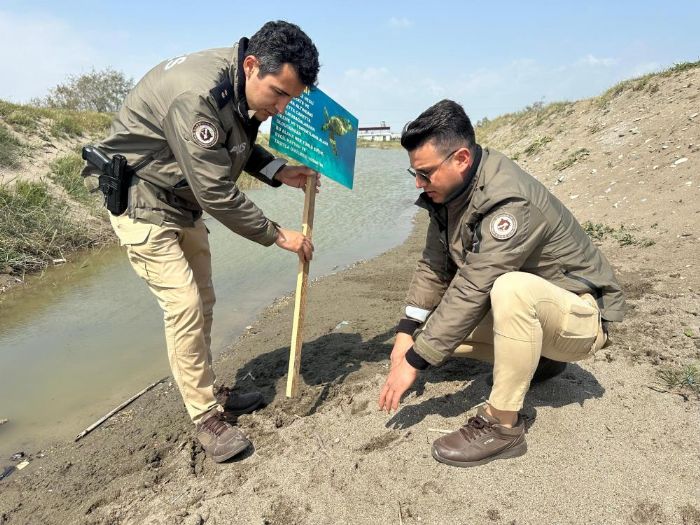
x=335, y=125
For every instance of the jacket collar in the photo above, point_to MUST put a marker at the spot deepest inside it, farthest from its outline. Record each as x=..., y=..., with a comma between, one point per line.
x=462, y=195
x=238, y=80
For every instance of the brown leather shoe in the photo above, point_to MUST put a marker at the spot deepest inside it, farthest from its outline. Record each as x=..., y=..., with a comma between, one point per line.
x=220, y=439
x=480, y=440
x=236, y=404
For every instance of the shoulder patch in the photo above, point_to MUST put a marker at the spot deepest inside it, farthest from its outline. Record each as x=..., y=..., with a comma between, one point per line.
x=205, y=133
x=503, y=226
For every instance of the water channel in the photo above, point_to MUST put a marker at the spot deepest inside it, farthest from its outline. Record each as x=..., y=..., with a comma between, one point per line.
x=88, y=335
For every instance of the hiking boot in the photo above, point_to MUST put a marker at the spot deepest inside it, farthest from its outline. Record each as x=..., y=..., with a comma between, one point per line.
x=480, y=440
x=546, y=369
x=236, y=404
x=220, y=439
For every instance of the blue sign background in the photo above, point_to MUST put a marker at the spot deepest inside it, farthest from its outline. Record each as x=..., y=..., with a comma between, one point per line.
x=307, y=130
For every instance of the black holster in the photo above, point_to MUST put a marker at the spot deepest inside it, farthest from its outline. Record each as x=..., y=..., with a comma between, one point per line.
x=114, y=179
x=115, y=185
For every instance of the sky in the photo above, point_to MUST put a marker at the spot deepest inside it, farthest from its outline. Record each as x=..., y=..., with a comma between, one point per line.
x=382, y=61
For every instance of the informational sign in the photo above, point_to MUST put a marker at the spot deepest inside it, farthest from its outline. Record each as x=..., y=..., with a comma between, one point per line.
x=318, y=132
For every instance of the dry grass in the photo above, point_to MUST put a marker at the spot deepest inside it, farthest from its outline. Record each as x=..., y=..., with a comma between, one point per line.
x=59, y=122
x=36, y=228
x=10, y=149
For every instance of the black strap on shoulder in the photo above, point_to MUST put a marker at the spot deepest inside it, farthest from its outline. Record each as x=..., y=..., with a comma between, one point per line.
x=222, y=92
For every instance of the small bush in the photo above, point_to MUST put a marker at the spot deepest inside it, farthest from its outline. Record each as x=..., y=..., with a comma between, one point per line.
x=102, y=91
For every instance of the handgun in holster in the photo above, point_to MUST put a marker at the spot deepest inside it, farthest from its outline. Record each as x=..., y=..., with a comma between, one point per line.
x=114, y=178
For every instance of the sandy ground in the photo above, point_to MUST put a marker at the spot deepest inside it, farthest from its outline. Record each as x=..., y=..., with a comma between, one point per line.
x=605, y=446
x=608, y=443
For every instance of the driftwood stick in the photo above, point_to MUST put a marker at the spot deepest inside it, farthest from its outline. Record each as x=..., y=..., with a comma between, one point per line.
x=117, y=409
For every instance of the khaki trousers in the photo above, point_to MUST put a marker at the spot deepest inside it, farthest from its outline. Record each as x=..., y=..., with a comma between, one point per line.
x=530, y=317
x=175, y=262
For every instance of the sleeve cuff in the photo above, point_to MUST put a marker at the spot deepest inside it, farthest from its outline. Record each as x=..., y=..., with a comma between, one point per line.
x=272, y=168
x=415, y=360
x=419, y=314
x=407, y=326
x=270, y=235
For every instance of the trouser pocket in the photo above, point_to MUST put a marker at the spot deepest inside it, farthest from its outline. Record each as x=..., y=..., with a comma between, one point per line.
x=578, y=329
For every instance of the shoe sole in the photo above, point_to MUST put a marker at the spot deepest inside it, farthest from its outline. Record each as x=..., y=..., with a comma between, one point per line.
x=509, y=453
x=224, y=457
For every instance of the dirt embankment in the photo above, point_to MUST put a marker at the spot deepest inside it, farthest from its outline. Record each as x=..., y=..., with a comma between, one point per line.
x=609, y=441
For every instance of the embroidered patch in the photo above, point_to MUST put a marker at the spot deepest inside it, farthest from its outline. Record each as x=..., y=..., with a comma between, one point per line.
x=205, y=133
x=503, y=226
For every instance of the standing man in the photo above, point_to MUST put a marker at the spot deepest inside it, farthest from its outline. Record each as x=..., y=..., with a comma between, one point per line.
x=507, y=275
x=188, y=130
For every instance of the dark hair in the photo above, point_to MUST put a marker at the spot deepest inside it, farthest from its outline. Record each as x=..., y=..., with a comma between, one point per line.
x=446, y=123
x=278, y=43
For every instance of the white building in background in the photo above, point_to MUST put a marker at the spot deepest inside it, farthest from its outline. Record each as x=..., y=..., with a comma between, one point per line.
x=379, y=133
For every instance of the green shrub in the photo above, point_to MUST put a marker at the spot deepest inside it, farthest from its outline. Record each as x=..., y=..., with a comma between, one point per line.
x=101, y=91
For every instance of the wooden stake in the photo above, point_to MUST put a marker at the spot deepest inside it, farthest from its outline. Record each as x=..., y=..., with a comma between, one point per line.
x=300, y=295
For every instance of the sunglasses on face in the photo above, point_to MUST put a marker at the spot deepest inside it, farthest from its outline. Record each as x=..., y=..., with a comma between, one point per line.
x=425, y=175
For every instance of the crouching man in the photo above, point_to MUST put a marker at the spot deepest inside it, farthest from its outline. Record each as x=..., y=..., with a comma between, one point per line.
x=507, y=275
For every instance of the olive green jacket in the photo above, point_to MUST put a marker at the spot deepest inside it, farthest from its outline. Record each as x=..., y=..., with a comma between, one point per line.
x=502, y=220
x=186, y=127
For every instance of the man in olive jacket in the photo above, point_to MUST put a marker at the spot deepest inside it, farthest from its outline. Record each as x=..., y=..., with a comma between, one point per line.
x=507, y=275
x=188, y=130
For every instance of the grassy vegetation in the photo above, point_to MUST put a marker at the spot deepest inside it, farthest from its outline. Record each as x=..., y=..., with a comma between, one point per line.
x=533, y=115
x=65, y=171
x=537, y=146
x=538, y=113
x=684, y=380
x=572, y=159
x=643, y=83
x=61, y=122
x=36, y=228
x=10, y=148
x=624, y=236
